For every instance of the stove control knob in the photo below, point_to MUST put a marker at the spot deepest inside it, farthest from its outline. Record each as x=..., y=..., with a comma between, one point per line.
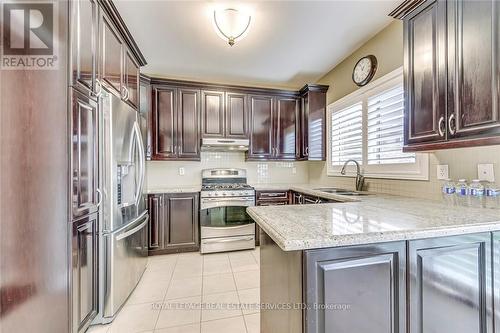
x=224, y=194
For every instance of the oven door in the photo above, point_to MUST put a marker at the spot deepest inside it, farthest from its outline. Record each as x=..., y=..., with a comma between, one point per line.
x=226, y=217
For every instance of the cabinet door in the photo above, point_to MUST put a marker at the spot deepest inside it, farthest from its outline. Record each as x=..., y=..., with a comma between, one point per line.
x=286, y=116
x=84, y=254
x=451, y=276
x=188, y=124
x=212, y=114
x=474, y=68
x=366, y=282
x=425, y=82
x=131, y=79
x=261, y=127
x=236, y=116
x=156, y=222
x=304, y=124
x=84, y=36
x=316, y=126
x=182, y=220
x=110, y=69
x=84, y=152
x=164, y=123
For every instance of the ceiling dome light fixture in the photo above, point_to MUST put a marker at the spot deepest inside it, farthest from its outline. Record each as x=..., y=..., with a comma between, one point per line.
x=231, y=24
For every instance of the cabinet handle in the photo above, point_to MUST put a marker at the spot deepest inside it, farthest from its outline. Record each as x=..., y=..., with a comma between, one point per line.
x=452, y=124
x=98, y=86
x=440, y=126
x=307, y=151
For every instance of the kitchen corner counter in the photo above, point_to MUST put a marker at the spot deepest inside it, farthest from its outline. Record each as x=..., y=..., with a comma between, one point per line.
x=178, y=189
x=370, y=219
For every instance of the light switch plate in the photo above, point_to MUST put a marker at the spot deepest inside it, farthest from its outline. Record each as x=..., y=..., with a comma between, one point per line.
x=182, y=171
x=442, y=171
x=486, y=172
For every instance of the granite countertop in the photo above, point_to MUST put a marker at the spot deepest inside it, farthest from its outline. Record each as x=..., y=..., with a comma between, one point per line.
x=370, y=219
x=176, y=189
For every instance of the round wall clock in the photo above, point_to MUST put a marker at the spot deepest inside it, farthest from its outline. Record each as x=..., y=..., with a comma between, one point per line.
x=364, y=70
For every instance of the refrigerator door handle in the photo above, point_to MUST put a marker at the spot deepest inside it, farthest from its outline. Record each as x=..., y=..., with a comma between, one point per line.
x=134, y=230
x=142, y=162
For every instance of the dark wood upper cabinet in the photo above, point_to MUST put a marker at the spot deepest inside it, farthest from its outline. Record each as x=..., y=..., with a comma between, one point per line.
x=84, y=152
x=425, y=82
x=452, y=76
x=188, y=124
x=212, y=114
x=273, y=120
x=474, y=68
x=131, y=79
x=312, y=135
x=174, y=223
x=176, y=123
x=164, y=123
x=224, y=115
x=84, y=271
x=84, y=44
x=261, y=127
x=286, y=120
x=111, y=47
x=236, y=116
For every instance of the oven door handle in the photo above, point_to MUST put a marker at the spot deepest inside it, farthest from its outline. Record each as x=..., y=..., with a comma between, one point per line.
x=228, y=240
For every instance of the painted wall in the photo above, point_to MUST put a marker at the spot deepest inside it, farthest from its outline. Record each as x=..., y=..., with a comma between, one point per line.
x=387, y=46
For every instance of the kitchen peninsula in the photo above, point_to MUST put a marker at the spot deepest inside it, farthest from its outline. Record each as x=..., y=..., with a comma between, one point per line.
x=378, y=264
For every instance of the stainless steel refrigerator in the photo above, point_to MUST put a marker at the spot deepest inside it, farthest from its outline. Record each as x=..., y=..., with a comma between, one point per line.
x=124, y=223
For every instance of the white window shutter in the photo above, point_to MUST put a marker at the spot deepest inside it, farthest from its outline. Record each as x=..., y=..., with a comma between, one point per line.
x=347, y=134
x=385, y=128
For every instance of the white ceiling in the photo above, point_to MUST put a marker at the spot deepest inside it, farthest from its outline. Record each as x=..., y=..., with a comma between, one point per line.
x=290, y=43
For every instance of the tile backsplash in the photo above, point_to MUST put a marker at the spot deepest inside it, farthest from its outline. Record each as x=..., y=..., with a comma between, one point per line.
x=166, y=174
x=462, y=164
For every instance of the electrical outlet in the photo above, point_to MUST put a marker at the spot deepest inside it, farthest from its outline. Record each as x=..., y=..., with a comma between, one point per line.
x=442, y=171
x=294, y=170
x=182, y=171
x=486, y=172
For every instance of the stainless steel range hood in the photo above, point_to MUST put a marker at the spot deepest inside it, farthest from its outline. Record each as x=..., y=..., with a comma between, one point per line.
x=224, y=144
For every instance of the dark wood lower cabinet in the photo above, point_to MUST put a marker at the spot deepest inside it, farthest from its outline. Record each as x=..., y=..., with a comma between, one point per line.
x=174, y=223
x=269, y=198
x=84, y=271
x=450, y=284
x=364, y=285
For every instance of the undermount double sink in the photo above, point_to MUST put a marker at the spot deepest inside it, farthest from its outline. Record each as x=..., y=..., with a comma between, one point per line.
x=340, y=191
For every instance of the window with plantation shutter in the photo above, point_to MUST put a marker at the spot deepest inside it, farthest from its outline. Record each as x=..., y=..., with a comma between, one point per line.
x=368, y=126
x=347, y=135
x=385, y=128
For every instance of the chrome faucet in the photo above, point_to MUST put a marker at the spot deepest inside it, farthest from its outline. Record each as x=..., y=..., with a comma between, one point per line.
x=360, y=180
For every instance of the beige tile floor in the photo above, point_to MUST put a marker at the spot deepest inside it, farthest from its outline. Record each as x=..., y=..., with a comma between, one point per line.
x=173, y=281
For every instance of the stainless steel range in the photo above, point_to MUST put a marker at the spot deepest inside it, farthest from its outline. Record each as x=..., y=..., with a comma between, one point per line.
x=225, y=224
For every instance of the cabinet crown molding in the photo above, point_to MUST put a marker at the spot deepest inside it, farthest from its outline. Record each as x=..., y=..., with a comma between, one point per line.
x=405, y=8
